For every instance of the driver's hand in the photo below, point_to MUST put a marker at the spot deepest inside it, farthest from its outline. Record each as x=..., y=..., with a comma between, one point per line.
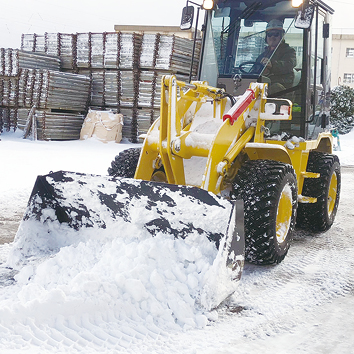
x=267, y=64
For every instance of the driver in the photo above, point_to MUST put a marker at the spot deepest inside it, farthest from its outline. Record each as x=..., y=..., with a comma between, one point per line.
x=278, y=58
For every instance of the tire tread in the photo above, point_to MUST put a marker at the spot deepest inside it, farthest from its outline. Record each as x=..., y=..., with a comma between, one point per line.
x=258, y=183
x=125, y=163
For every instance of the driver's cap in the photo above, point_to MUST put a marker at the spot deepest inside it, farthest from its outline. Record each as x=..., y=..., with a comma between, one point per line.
x=275, y=25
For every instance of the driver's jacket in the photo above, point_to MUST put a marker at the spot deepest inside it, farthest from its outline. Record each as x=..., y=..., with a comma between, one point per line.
x=283, y=61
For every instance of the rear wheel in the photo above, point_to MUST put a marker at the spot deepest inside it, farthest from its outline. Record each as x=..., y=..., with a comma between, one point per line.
x=269, y=191
x=320, y=216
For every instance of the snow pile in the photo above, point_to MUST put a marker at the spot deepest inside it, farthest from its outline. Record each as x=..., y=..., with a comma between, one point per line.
x=128, y=287
x=153, y=282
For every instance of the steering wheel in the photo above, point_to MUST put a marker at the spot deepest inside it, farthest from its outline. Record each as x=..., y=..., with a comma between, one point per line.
x=249, y=67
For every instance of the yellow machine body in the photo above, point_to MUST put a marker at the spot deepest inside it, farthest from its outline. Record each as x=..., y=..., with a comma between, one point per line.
x=198, y=141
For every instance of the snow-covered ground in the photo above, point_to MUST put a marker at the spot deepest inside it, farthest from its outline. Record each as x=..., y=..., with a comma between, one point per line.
x=121, y=295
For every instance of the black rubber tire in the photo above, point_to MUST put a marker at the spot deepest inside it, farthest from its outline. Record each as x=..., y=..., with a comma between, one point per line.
x=261, y=185
x=125, y=163
x=320, y=216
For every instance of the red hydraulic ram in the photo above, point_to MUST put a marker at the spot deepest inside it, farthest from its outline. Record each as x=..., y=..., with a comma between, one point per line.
x=240, y=106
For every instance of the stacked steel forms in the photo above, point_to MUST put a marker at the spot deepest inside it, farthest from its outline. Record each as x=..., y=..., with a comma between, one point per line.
x=61, y=91
x=112, y=62
x=62, y=45
x=125, y=69
x=161, y=55
x=47, y=89
x=31, y=80
x=12, y=60
x=60, y=100
x=116, y=50
x=53, y=125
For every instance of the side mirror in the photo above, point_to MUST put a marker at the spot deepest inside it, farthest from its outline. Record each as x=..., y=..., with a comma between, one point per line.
x=304, y=17
x=187, y=18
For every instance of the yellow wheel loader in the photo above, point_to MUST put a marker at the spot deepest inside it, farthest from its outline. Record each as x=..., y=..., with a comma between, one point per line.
x=237, y=157
x=255, y=135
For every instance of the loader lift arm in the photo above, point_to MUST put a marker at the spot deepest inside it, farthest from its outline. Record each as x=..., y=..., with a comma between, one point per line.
x=174, y=138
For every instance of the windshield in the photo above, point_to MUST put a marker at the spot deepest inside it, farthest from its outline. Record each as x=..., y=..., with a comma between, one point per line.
x=237, y=30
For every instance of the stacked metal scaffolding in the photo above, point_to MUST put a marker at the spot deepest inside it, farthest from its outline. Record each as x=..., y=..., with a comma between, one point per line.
x=58, y=44
x=112, y=88
x=175, y=54
x=13, y=60
x=112, y=62
x=12, y=63
x=8, y=91
x=59, y=99
x=53, y=125
x=162, y=55
x=59, y=90
x=125, y=69
x=142, y=117
x=8, y=118
x=32, y=80
x=116, y=50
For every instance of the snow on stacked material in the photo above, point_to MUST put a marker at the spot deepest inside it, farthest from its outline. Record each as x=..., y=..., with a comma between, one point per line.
x=118, y=276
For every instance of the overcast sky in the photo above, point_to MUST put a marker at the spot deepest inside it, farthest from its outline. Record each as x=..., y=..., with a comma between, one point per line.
x=71, y=16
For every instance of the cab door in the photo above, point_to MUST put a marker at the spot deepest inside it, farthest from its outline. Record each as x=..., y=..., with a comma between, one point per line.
x=317, y=101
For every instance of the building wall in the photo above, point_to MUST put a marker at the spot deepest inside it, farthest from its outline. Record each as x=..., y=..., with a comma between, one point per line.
x=342, y=60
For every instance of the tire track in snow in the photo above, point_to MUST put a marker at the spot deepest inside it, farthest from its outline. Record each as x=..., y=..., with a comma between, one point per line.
x=278, y=300
x=314, y=271
x=73, y=337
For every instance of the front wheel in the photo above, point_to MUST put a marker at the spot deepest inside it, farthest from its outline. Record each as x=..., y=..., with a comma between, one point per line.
x=269, y=191
x=126, y=162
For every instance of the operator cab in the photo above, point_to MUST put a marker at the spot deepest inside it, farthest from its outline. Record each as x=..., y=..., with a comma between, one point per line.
x=235, y=38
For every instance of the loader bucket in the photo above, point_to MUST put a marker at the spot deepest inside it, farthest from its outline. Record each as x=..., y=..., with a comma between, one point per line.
x=63, y=201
